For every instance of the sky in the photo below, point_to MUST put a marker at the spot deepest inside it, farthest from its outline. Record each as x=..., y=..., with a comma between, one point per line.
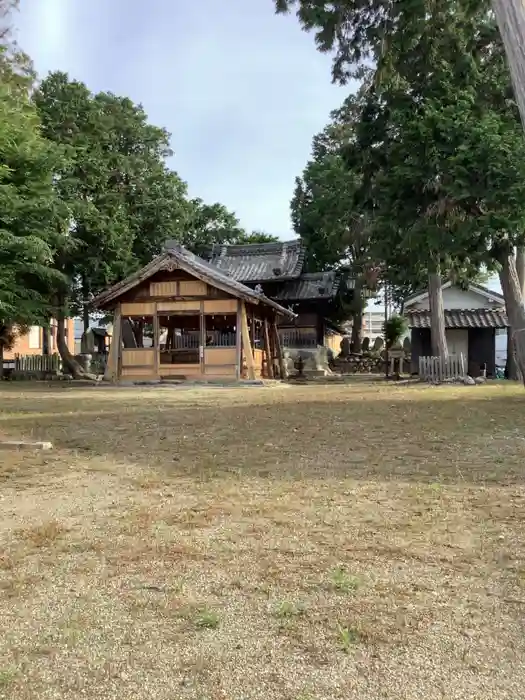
x=241, y=90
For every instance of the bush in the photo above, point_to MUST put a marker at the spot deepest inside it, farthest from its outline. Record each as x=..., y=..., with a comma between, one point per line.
x=394, y=328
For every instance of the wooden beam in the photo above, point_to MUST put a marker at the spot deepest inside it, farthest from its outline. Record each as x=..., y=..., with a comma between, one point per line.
x=112, y=368
x=245, y=334
x=268, y=349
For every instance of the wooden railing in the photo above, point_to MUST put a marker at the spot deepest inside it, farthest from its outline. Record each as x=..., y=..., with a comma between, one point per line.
x=298, y=338
x=186, y=341
x=212, y=338
x=218, y=339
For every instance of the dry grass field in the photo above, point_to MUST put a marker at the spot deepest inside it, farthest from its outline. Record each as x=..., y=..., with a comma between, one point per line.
x=288, y=543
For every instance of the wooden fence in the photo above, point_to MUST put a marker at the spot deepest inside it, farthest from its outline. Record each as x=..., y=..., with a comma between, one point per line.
x=38, y=363
x=439, y=369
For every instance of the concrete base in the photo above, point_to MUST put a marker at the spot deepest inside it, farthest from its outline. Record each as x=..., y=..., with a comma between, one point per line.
x=23, y=445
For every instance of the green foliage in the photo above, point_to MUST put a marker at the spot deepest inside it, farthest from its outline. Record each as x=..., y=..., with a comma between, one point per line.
x=344, y=582
x=123, y=202
x=348, y=637
x=207, y=619
x=208, y=224
x=30, y=214
x=258, y=237
x=286, y=610
x=449, y=181
x=438, y=139
x=393, y=329
x=359, y=32
x=325, y=213
x=7, y=676
x=332, y=209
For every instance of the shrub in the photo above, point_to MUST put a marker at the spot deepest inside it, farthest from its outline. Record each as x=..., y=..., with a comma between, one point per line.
x=394, y=328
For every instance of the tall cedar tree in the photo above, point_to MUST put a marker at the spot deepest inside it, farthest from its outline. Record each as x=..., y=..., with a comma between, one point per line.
x=325, y=213
x=391, y=35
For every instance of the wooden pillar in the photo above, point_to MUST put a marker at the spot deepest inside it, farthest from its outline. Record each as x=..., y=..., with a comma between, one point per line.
x=279, y=352
x=247, y=346
x=238, y=342
x=320, y=330
x=156, y=342
x=268, y=350
x=112, y=368
x=273, y=350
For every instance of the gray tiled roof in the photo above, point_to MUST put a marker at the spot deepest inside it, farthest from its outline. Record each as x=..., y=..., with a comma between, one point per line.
x=258, y=262
x=461, y=318
x=313, y=285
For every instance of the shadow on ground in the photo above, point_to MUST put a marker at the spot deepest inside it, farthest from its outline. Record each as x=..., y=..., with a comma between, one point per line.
x=429, y=434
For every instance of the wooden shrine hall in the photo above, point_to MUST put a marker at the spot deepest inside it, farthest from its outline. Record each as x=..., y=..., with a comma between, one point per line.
x=180, y=317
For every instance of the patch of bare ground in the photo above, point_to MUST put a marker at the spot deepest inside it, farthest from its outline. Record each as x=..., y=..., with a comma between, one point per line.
x=313, y=543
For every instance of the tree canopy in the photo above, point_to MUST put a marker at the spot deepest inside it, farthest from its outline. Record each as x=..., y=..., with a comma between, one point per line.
x=30, y=212
x=213, y=223
x=439, y=145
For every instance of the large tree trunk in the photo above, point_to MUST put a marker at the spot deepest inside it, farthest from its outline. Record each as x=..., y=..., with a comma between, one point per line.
x=85, y=306
x=46, y=340
x=85, y=317
x=520, y=269
x=357, y=310
x=510, y=15
x=356, y=339
x=511, y=369
x=515, y=309
x=358, y=307
x=438, y=338
x=7, y=340
x=70, y=364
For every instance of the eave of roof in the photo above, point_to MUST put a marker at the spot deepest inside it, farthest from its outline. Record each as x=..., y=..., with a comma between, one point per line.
x=310, y=286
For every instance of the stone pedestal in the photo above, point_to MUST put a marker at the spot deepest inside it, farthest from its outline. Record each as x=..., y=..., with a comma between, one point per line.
x=84, y=360
x=396, y=354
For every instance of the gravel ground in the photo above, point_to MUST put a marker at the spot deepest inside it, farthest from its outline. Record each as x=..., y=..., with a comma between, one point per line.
x=319, y=543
